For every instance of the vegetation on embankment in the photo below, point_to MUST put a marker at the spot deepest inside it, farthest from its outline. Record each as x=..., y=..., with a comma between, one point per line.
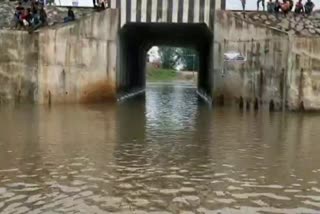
x=160, y=74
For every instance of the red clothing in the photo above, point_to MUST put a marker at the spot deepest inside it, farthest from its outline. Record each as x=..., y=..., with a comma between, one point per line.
x=285, y=6
x=26, y=17
x=299, y=5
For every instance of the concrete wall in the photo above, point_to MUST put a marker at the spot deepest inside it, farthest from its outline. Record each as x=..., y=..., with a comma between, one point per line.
x=304, y=78
x=18, y=66
x=77, y=62
x=218, y=5
x=64, y=64
x=266, y=50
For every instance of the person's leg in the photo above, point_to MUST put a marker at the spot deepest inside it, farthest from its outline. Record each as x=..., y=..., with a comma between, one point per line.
x=263, y=5
x=258, y=2
x=16, y=20
x=37, y=26
x=20, y=23
x=306, y=9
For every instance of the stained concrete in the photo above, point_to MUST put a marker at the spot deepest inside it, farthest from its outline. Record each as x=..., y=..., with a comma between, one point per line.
x=77, y=59
x=92, y=60
x=262, y=74
x=18, y=66
x=281, y=66
x=304, y=78
x=75, y=62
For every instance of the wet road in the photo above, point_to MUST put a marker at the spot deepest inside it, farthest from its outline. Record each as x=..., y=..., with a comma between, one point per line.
x=166, y=153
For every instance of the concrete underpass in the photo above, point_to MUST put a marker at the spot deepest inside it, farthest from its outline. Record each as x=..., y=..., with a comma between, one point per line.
x=137, y=38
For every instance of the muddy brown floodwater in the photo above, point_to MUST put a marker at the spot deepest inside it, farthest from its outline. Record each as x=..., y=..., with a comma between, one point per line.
x=165, y=153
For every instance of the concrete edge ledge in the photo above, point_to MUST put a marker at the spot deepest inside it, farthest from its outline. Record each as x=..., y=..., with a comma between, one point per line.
x=58, y=25
x=257, y=24
x=205, y=97
x=124, y=97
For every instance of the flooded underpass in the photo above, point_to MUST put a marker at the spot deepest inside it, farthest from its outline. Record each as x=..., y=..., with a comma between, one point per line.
x=167, y=152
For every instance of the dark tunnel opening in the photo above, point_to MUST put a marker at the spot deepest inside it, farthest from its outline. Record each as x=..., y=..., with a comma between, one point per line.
x=137, y=38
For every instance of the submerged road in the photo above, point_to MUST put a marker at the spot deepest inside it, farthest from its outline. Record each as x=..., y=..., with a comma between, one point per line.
x=164, y=153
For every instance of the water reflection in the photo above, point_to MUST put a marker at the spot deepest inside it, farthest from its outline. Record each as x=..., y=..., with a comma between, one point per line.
x=162, y=153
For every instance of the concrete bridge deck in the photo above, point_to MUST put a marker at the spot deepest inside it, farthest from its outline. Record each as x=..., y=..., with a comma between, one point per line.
x=165, y=11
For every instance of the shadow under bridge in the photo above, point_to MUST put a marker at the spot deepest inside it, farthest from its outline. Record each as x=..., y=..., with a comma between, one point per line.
x=137, y=38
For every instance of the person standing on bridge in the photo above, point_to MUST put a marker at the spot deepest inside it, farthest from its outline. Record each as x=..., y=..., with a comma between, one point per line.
x=270, y=6
x=308, y=7
x=277, y=7
x=299, y=7
x=285, y=7
x=258, y=3
x=107, y=4
x=70, y=17
x=94, y=3
x=243, y=3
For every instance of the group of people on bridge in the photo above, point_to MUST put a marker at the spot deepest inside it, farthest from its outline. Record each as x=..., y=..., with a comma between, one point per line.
x=34, y=15
x=285, y=6
x=30, y=17
x=31, y=14
x=101, y=4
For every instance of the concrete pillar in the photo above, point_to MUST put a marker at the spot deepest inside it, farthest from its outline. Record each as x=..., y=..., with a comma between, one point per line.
x=220, y=4
x=223, y=4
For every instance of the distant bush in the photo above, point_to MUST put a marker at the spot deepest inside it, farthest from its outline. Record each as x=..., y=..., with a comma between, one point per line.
x=160, y=74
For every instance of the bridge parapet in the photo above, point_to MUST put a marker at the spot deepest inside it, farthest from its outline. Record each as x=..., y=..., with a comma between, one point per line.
x=165, y=11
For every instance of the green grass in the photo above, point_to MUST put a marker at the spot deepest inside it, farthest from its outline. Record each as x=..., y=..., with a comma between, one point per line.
x=159, y=74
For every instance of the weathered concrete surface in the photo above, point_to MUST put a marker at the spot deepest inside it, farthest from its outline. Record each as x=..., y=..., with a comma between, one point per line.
x=18, y=66
x=77, y=62
x=266, y=50
x=281, y=65
x=63, y=64
x=304, y=78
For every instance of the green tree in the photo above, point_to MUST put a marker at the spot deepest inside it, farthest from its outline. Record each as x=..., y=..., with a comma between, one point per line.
x=169, y=56
x=189, y=59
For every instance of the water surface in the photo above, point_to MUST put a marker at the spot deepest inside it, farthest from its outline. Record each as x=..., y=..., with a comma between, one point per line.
x=165, y=153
